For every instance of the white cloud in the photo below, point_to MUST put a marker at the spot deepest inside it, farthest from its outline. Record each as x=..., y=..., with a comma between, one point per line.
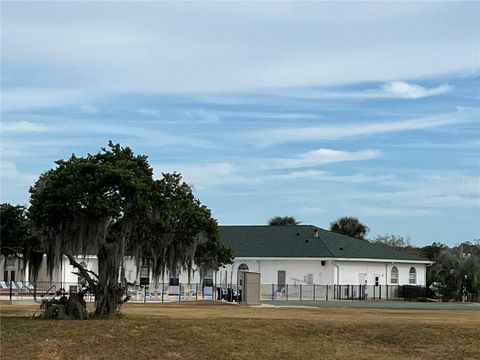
x=22, y=127
x=30, y=98
x=326, y=156
x=347, y=130
x=412, y=91
x=302, y=174
x=201, y=116
x=159, y=46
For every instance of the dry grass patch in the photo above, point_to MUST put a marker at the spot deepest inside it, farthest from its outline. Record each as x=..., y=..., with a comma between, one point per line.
x=215, y=331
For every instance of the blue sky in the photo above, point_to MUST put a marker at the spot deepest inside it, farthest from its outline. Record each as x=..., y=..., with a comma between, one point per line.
x=316, y=110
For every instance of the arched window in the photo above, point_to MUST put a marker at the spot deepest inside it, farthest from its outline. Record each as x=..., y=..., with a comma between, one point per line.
x=412, y=276
x=243, y=267
x=394, y=275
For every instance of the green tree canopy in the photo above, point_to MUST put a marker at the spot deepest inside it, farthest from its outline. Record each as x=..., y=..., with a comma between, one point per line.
x=283, y=220
x=454, y=270
x=392, y=240
x=16, y=239
x=108, y=204
x=349, y=226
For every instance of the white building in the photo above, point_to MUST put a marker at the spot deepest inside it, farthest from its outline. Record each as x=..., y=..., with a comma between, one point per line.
x=306, y=254
x=285, y=255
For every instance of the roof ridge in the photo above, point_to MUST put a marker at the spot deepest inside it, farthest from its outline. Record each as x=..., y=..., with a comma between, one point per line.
x=328, y=248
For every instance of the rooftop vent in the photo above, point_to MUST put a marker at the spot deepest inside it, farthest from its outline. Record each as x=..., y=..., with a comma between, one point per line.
x=307, y=241
x=340, y=248
x=315, y=233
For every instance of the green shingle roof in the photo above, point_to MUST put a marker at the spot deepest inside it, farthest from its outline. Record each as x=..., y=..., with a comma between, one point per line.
x=299, y=241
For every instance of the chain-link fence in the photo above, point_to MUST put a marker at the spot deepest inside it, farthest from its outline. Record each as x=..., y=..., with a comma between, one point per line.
x=164, y=292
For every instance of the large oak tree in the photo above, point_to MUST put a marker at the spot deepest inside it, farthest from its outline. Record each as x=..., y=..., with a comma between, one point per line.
x=109, y=204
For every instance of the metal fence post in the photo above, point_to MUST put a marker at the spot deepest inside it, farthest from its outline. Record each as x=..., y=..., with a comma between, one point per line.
x=300, y=292
x=273, y=292
x=144, y=294
x=286, y=293
x=314, y=292
x=326, y=295
x=163, y=289
x=10, y=290
x=196, y=291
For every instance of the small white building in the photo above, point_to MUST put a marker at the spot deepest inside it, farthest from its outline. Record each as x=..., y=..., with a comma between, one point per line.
x=306, y=255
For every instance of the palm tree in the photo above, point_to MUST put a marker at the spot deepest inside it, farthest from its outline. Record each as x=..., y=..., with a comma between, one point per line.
x=350, y=226
x=283, y=220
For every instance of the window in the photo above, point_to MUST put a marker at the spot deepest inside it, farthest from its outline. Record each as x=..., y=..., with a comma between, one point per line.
x=174, y=280
x=323, y=262
x=144, y=275
x=208, y=278
x=412, y=276
x=243, y=267
x=394, y=275
x=281, y=280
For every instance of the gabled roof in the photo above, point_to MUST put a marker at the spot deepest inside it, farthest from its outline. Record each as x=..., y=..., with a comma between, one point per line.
x=299, y=241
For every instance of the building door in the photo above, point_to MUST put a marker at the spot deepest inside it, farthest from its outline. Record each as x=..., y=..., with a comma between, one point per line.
x=281, y=279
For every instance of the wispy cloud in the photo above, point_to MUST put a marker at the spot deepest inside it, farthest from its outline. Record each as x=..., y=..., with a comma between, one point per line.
x=326, y=156
x=239, y=46
x=411, y=91
x=14, y=99
x=352, y=129
x=22, y=126
x=302, y=174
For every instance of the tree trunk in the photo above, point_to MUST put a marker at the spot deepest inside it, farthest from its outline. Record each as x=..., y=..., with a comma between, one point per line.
x=108, y=296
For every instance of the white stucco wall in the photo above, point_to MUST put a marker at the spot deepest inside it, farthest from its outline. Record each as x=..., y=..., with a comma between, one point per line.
x=296, y=270
x=339, y=272
x=349, y=272
x=333, y=272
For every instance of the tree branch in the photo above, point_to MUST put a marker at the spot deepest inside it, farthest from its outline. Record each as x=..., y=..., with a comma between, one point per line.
x=84, y=273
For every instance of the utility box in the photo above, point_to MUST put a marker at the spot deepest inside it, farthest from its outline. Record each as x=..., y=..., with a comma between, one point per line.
x=250, y=288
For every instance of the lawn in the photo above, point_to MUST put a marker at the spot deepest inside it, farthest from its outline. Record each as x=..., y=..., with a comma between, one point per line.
x=221, y=331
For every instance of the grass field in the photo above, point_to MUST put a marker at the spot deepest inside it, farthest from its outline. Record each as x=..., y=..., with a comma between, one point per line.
x=221, y=331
